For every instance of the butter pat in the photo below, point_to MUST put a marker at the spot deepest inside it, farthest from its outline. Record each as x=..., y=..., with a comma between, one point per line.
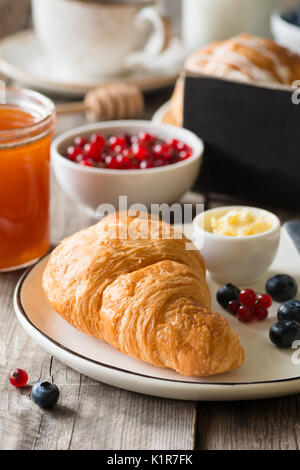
x=240, y=223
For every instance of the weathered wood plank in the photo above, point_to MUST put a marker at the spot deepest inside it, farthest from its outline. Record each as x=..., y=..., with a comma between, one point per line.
x=254, y=425
x=97, y=416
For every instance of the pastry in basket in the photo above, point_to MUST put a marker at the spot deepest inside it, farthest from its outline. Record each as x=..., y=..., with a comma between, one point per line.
x=145, y=296
x=244, y=58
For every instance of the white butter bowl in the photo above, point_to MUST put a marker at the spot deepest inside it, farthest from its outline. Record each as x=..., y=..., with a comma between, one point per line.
x=92, y=187
x=238, y=260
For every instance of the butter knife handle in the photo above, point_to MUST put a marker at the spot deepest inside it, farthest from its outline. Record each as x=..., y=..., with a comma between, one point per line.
x=293, y=229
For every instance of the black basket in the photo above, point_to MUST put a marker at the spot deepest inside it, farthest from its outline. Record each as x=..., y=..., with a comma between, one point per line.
x=252, y=139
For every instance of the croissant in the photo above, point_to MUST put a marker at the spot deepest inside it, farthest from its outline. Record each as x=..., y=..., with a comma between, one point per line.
x=130, y=281
x=245, y=58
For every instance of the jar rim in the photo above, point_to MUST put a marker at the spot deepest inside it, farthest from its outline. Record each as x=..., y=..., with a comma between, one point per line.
x=39, y=99
x=8, y=137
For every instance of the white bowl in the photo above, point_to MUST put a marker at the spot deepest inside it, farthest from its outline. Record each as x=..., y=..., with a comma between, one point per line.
x=92, y=187
x=239, y=260
x=285, y=33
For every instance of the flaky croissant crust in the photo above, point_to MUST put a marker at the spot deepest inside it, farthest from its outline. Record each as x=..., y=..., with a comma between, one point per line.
x=146, y=297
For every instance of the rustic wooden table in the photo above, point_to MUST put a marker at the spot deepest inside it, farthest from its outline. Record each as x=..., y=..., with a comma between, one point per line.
x=93, y=415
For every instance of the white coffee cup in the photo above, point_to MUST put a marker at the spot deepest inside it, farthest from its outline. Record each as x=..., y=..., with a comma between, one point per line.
x=96, y=38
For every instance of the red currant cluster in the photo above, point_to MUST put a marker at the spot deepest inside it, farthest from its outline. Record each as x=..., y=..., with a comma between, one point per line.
x=250, y=306
x=125, y=152
x=247, y=305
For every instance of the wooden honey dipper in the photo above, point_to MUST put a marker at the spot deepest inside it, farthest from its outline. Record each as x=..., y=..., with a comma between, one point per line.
x=108, y=102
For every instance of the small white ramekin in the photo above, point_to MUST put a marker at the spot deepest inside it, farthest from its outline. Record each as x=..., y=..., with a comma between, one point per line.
x=238, y=260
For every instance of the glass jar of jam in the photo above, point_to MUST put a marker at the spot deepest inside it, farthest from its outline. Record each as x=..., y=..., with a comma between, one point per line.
x=27, y=122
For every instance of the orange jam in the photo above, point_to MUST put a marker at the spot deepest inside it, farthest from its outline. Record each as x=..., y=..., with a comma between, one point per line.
x=24, y=185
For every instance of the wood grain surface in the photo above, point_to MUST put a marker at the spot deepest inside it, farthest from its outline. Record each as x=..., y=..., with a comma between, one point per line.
x=91, y=415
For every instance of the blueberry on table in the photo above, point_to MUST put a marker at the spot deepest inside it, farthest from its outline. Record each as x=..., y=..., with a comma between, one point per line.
x=290, y=310
x=282, y=287
x=284, y=333
x=227, y=293
x=45, y=394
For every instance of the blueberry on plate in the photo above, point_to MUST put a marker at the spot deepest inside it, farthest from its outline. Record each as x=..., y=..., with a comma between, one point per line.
x=290, y=310
x=227, y=293
x=282, y=287
x=284, y=333
x=45, y=394
x=297, y=20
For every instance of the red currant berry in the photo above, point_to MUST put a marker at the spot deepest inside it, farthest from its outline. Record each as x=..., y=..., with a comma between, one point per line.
x=233, y=306
x=140, y=152
x=79, y=158
x=124, y=163
x=80, y=141
x=184, y=154
x=260, y=311
x=111, y=163
x=245, y=314
x=72, y=152
x=177, y=144
x=98, y=140
x=126, y=153
x=86, y=162
x=146, y=164
x=264, y=299
x=163, y=151
x=173, y=143
x=248, y=297
x=91, y=151
x=18, y=378
x=117, y=141
x=146, y=139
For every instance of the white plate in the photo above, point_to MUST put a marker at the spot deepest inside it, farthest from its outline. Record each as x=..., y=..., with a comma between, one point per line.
x=23, y=59
x=267, y=371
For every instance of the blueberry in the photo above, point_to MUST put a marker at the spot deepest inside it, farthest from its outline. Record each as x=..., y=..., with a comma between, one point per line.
x=290, y=310
x=282, y=287
x=291, y=17
x=45, y=394
x=284, y=333
x=297, y=20
x=227, y=293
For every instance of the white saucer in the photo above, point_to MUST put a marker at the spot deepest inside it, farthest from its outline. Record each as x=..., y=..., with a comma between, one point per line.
x=267, y=372
x=22, y=58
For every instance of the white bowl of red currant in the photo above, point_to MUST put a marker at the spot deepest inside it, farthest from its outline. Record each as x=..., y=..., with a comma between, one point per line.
x=147, y=162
